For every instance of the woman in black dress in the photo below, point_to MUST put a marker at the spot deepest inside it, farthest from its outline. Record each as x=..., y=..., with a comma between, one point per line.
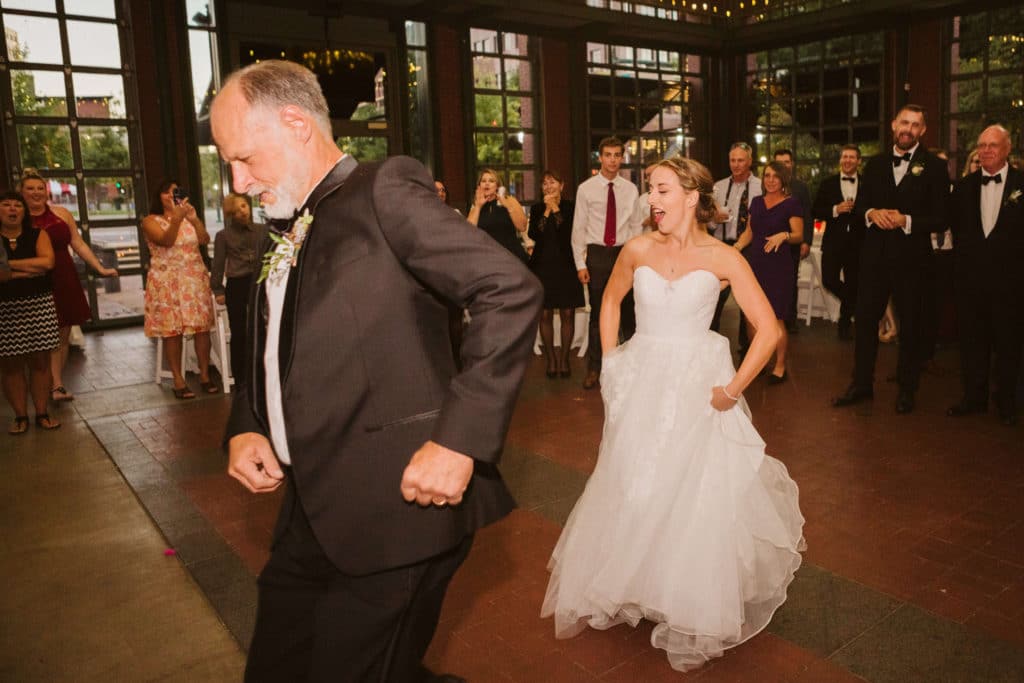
x=498, y=214
x=28, y=317
x=552, y=262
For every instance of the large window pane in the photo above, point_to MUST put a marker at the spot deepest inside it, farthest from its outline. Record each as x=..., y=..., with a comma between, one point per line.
x=201, y=47
x=39, y=93
x=45, y=146
x=35, y=5
x=488, y=111
x=94, y=44
x=91, y=8
x=104, y=147
x=99, y=96
x=519, y=111
x=111, y=197
x=63, y=191
x=517, y=75
x=490, y=148
x=200, y=13
x=33, y=39
x=483, y=40
x=1004, y=93
x=486, y=72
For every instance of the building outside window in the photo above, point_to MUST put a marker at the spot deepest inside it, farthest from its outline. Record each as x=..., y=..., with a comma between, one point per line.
x=983, y=79
x=650, y=99
x=813, y=99
x=69, y=94
x=506, y=114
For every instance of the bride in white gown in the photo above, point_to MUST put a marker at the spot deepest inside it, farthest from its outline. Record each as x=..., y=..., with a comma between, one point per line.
x=685, y=520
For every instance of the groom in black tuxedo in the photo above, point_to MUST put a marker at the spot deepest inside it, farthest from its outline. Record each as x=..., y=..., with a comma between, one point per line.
x=844, y=235
x=902, y=201
x=987, y=207
x=387, y=453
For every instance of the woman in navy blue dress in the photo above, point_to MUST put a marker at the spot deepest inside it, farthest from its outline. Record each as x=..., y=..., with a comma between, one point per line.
x=776, y=219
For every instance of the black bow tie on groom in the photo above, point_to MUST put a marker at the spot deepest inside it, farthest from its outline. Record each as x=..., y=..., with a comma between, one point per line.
x=897, y=159
x=997, y=179
x=849, y=180
x=283, y=225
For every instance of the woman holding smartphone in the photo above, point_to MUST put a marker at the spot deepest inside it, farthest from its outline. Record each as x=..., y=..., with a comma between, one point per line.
x=178, y=297
x=498, y=214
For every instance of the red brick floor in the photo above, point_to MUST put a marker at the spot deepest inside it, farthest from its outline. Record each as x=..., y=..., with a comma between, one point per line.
x=922, y=508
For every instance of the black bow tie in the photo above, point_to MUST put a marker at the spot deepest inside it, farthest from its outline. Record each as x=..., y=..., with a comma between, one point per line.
x=997, y=179
x=897, y=159
x=849, y=180
x=283, y=225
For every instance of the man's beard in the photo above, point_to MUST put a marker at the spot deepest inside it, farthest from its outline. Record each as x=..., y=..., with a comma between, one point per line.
x=283, y=206
x=910, y=145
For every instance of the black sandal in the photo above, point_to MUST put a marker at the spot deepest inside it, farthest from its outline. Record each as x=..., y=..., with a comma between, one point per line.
x=44, y=421
x=20, y=425
x=209, y=387
x=183, y=393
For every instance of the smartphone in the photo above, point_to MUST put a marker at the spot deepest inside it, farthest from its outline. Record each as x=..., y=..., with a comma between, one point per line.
x=179, y=195
x=501, y=191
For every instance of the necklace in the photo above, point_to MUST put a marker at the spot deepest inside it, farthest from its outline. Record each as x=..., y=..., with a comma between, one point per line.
x=13, y=241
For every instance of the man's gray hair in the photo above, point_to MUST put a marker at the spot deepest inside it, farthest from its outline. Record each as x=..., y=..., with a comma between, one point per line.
x=277, y=83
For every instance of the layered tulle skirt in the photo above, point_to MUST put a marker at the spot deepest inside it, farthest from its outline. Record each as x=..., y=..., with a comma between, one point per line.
x=685, y=521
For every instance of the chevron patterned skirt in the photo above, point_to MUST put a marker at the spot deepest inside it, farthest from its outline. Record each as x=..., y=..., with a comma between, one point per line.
x=27, y=325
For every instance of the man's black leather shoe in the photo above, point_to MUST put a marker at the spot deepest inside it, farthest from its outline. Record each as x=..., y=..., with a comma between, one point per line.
x=964, y=408
x=853, y=394
x=904, y=402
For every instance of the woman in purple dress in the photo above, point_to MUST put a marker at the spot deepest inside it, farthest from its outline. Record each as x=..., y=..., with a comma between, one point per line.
x=776, y=218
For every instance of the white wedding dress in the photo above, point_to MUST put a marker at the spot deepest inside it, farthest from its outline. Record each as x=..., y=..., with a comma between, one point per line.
x=685, y=521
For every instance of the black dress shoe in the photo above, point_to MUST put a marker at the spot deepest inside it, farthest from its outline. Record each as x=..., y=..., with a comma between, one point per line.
x=853, y=394
x=777, y=379
x=964, y=408
x=904, y=402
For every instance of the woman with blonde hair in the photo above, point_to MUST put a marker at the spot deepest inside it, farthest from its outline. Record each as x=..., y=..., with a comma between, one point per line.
x=72, y=306
x=685, y=520
x=498, y=214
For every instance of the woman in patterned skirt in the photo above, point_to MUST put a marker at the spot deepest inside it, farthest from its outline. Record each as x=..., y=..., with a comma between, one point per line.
x=72, y=306
x=178, y=297
x=28, y=332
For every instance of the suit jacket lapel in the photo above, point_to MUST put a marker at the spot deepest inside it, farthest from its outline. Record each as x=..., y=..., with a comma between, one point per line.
x=331, y=182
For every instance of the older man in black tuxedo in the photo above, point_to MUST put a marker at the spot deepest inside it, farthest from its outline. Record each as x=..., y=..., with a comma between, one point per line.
x=902, y=201
x=844, y=235
x=987, y=207
x=388, y=454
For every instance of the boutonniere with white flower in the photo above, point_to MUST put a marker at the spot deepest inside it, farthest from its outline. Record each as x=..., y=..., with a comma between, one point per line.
x=285, y=252
x=917, y=169
x=1013, y=198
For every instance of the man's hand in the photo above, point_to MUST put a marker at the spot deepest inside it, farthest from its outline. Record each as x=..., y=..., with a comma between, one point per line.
x=805, y=250
x=722, y=216
x=882, y=218
x=436, y=475
x=845, y=206
x=220, y=299
x=251, y=461
x=584, y=275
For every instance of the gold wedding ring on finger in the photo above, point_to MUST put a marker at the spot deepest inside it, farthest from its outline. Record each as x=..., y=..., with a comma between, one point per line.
x=439, y=502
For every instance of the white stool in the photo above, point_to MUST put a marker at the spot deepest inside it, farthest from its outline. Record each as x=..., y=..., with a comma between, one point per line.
x=220, y=351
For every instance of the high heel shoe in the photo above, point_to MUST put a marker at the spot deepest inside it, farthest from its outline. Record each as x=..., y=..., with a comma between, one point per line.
x=566, y=373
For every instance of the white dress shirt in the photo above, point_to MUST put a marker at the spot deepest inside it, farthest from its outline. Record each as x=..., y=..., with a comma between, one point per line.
x=848, y=189
x=727, y=194
x=991, y=198
x=898, y=173
x=276, y=289
x=591, y=208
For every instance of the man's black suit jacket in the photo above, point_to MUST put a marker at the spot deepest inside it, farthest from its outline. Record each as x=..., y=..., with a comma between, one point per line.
x=830, y=193
x=922, y=195
x=367, y=374
x=995, y=263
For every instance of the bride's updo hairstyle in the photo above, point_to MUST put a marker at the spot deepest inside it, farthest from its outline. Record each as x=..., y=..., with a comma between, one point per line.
x=693, y=176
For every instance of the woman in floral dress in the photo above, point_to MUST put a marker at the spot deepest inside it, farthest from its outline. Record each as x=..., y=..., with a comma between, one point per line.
x=178, y=297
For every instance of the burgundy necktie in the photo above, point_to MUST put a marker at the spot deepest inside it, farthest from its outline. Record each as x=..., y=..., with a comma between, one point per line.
x=610, y=217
